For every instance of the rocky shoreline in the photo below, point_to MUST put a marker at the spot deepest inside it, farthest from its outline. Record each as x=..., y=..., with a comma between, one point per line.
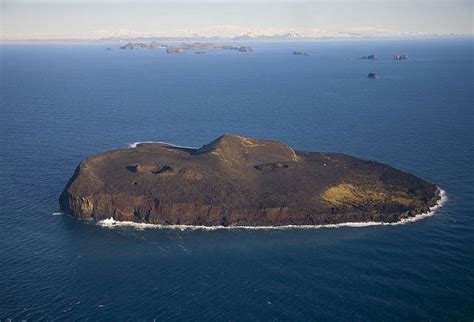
x=112, y=223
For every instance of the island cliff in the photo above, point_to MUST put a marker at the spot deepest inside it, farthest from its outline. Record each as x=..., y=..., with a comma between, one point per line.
x=242, y=181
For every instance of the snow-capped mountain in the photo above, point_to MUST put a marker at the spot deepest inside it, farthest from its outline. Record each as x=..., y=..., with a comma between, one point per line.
x=238, y=32
x=226, y=32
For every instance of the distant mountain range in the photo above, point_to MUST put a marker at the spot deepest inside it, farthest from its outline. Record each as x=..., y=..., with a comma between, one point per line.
x=227, y=32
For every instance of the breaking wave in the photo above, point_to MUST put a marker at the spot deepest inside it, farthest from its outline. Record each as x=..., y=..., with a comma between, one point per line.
x=112, y=223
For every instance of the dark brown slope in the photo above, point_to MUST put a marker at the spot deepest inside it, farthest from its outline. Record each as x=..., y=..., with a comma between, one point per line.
x=237, y=180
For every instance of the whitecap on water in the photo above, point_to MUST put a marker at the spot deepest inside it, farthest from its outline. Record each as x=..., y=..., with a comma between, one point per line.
x=57, y=213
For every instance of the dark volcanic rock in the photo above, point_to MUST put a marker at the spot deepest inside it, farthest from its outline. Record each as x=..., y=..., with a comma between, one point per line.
x=237, y=180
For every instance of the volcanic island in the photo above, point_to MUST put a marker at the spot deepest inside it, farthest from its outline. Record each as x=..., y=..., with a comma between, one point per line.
x=242, y=181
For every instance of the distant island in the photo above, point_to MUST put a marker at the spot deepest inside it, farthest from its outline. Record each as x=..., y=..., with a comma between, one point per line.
x=173, y=50
x=373, y=76
x=400, y=57
x=182, y=48
x=241, y=181
x=370, y=57
x=300, y=53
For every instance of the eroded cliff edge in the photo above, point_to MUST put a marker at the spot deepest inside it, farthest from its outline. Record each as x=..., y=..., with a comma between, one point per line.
x=241, y=181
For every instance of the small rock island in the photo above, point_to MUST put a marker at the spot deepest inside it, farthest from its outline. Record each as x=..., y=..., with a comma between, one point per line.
x=300, y=53
x=370, y=57
x=400, y=57
x=241, y=181
x=373, y=76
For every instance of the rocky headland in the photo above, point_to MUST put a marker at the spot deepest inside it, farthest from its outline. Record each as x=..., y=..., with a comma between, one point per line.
x=241, y=181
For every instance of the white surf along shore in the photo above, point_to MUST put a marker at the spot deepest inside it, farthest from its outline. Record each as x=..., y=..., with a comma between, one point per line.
x=112, y=223
x=135, y=144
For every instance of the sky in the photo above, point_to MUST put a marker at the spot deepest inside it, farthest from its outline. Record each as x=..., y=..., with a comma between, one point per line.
x=55, y=19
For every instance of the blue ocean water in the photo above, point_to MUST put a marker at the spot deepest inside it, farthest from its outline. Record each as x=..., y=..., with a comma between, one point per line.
x=61, y=103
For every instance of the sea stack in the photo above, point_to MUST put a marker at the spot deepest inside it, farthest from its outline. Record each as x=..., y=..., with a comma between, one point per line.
x=400, y=57
x=241, y=181
x=373, y=76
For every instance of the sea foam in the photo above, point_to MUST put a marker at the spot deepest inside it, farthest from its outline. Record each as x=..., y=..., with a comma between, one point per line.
x=112, y=223
x=135, y=144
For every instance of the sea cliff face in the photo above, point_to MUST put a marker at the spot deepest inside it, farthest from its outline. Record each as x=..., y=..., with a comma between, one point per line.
x=242, y=181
